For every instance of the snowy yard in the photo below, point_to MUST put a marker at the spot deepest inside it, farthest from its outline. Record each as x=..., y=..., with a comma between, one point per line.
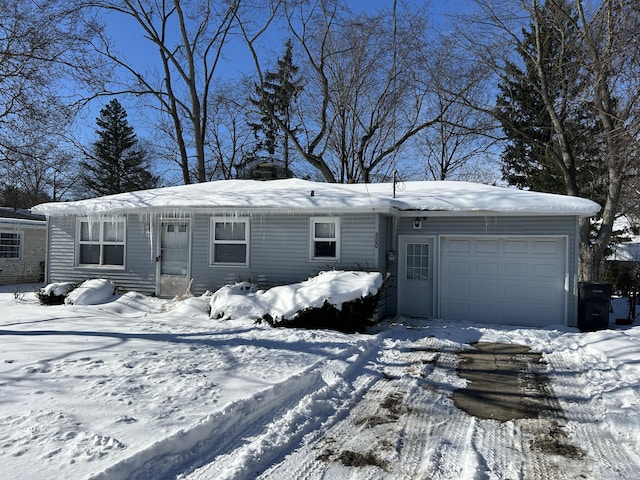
x=140, y=387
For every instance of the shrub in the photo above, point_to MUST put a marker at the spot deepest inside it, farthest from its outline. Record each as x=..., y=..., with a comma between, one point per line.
x=354, y=316
x=55, y=293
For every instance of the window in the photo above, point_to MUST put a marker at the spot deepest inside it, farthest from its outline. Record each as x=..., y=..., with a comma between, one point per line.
x=101, y=242
x=229, y=241
x=325, y=238
x=418, y=261
x=10, y=244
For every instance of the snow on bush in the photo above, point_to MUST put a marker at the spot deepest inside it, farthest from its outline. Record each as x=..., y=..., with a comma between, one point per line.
x=54, y=293
x=92, y=292
x=285, y=303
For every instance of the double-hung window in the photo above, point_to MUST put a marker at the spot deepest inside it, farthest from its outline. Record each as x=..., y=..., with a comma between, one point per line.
x=229, y=241
x=101, y=242
x=325, y=238
x=11, y=245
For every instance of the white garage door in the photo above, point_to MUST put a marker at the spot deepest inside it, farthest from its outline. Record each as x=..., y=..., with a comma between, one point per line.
x=516, y=281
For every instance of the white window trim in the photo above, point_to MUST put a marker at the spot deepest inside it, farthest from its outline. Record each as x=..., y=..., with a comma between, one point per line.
x=101, y=242
x=20, y=235
x=312, y=239
x=213, y=242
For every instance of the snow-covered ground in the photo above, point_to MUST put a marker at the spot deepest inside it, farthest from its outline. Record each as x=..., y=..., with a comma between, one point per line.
x=139, y=387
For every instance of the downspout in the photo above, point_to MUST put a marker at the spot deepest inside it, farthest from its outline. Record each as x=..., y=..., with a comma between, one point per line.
x=46, y=252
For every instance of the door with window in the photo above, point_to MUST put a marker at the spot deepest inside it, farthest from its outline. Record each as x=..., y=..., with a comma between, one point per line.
x=173, y=257
x=415, y=276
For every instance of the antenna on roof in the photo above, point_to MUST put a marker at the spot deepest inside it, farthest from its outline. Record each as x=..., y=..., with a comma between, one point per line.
x=395, y=180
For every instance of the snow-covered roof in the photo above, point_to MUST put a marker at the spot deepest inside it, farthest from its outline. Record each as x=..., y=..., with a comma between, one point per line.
x=625, y=252
x=296, y=195
x=8, y=216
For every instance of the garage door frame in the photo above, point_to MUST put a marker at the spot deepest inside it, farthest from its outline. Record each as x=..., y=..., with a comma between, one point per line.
x=442, y=252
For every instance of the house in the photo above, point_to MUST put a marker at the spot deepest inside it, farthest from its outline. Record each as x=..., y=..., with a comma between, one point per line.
x=22, y=247
x=453, y=250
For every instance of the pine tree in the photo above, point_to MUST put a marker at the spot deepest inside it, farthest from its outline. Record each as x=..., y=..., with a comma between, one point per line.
x=276, y=98
x=532, y=158
x=117, y=163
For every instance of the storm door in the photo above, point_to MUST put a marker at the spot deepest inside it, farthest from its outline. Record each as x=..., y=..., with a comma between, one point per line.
x=415, y=276
x=173, y=257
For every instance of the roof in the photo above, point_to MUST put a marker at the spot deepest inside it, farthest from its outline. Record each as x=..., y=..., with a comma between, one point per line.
x=625, y=252
x=10, y=216
x=296, y=195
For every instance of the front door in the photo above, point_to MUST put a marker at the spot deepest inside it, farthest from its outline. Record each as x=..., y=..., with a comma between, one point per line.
x=415, y=276
x=173, y=258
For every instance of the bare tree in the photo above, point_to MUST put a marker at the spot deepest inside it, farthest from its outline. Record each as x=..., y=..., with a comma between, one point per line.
x=367, y=89
x=189, y=36
x=44, y=49
x=610, y=69
x=231, y=136
x=41, y=172
x=459, y=145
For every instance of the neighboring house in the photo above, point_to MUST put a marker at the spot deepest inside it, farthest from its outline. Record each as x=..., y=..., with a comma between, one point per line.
x=453, y=250
x=628, y=249
x=22, y=247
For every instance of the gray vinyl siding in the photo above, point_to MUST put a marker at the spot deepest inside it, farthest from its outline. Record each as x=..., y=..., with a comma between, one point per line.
x=279, y=251
x=508, y=226
x=139, y=271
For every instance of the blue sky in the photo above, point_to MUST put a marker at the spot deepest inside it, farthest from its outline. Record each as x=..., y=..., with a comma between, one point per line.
x=127, y=33
x=129, y=40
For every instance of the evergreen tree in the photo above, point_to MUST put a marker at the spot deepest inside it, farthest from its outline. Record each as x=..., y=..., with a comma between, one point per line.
x=277, y=97
x=533, y=158
x=117, y=164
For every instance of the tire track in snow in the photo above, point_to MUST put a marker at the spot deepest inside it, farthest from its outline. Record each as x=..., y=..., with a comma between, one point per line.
x=406, y=427
x=239, y=439
x=402, y=416
x=280, y=430
x=579, y=445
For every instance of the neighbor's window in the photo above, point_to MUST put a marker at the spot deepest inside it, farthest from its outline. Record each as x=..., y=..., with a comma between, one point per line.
x=325, y=238
x=101, y=242
x=229, y=241
x=10, y=243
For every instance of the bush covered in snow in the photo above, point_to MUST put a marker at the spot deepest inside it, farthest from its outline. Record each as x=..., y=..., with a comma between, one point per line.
x=339, y=300
x=352, y=316
x=89, y=292
x=55, y=293
x=92, y=292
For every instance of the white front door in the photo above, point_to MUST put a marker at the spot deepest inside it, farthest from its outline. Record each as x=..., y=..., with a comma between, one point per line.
x=173, y=258
x=415, y=276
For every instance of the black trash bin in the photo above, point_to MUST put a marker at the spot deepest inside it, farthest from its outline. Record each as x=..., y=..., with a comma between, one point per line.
x=594, y=300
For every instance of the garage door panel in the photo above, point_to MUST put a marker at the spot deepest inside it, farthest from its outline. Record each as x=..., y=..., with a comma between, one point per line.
x=459, y=246
x=487, y=246
x=516, y=291
x=458, y=267
x=487, y=268
x=519, y=247
x=550, y=270
x=515, y=269
x=516, y=281
x=485, y=290
x=547, y=247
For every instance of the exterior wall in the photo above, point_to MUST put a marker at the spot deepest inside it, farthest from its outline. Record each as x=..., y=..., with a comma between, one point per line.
x=29, y=268
x=438, y=226
x=138, y=273
x=279, y=252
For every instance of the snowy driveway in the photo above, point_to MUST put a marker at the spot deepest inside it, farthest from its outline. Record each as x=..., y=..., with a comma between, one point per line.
x=402, y=424
x=143, y=388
